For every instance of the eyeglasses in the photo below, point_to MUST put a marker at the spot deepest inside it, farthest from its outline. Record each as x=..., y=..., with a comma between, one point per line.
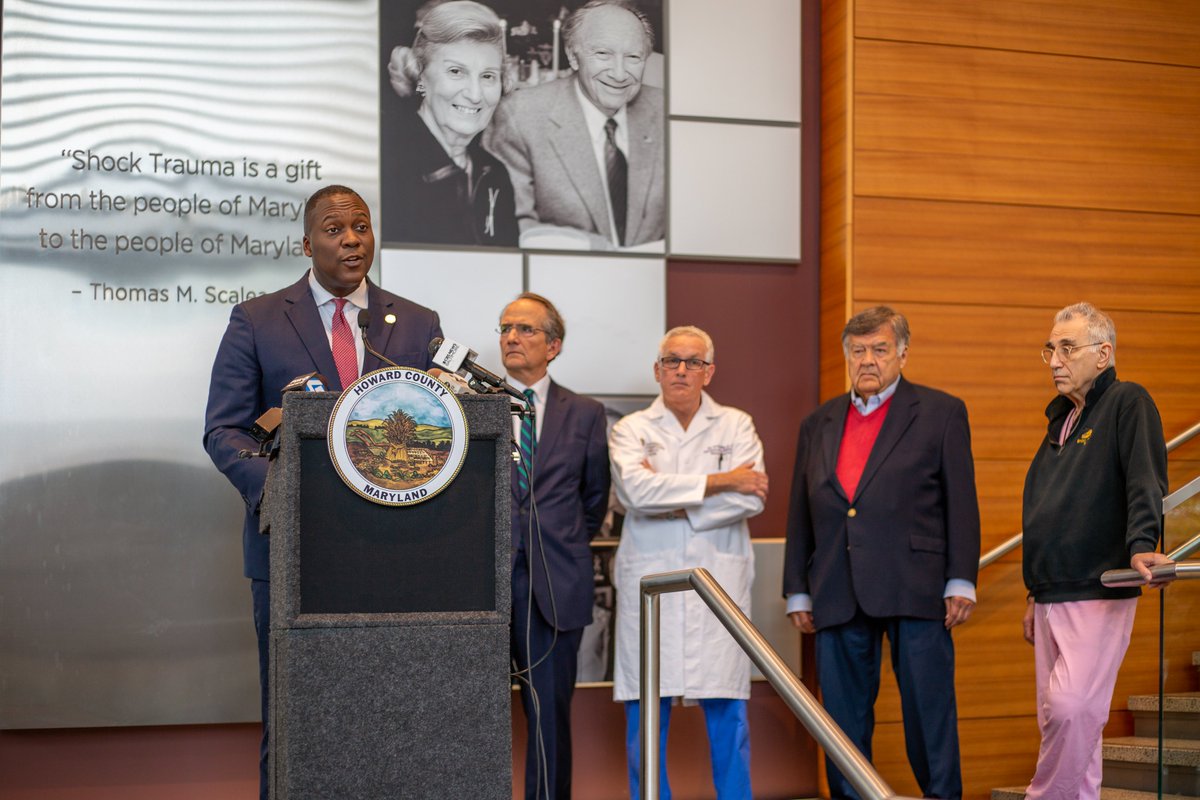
x=691, y=364
x=524, y=331
x=1065, y=351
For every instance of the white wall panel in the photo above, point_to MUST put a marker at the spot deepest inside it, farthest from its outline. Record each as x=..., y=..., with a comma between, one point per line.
x=615, y=310
x=735, y=60
x=467, y=289
x=735, y=190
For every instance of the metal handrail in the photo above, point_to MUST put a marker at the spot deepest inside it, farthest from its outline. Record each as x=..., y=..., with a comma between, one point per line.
x=1185, y=550
x=1181, y=495
x=1184, y=437
x=1169, y=502
x=812, y=715
x=1183, y=570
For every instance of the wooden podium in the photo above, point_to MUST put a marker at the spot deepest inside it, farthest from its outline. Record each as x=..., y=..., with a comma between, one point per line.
x=389, y=625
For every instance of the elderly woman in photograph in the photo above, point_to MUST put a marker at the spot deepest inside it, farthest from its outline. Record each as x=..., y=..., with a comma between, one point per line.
x=446, y=189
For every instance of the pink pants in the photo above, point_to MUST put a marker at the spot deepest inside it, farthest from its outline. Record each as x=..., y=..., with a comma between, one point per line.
x=1078, y=648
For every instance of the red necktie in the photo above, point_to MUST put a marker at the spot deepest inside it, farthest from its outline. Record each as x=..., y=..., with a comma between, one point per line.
x=344, y=354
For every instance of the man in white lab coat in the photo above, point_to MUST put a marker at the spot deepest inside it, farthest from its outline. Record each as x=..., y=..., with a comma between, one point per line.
x=689, y=471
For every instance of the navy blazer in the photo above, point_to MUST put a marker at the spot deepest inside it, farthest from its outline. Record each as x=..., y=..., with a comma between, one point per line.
x=570, y=484
x=270, y=340
x=914, y=522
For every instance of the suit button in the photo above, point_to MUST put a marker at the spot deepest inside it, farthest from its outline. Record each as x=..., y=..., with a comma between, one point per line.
x=852, y=512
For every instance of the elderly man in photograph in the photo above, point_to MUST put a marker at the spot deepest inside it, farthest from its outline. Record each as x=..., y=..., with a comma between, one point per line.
x=586, y=153
x=559, y=499
x=1093, y=502
x=311, y=326
x=689, y=472
x=883, y=538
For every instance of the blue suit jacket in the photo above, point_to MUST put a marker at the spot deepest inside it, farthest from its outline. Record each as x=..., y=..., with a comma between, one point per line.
x=570, y=485
x=914, y=522
x=270, y=340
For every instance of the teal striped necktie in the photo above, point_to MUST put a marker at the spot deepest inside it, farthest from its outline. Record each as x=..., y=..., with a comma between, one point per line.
x=528, y=445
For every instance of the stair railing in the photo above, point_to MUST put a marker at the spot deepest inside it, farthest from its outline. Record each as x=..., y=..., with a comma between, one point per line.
x=812, y=715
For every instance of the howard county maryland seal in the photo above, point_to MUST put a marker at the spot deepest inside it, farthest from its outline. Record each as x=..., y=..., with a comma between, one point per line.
x=398, y=436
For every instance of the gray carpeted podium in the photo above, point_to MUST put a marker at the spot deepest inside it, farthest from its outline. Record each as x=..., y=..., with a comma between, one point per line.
x=389, y=625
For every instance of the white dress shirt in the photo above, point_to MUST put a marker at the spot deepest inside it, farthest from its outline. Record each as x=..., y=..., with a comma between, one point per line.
x=541, y=388
x=595, y=120
x=326, y=305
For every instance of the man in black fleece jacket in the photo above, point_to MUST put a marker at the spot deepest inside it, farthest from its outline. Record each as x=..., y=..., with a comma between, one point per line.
x=1093, y=502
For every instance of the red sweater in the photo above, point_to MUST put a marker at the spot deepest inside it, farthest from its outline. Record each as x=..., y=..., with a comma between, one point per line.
x=858, y=437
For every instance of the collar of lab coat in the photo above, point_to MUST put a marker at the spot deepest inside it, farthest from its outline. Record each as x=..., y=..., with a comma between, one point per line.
x=665, y=418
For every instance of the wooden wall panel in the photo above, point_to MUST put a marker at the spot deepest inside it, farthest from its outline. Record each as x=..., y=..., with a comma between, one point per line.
x=995, y=753
x=1000, y=484
x=955, y=123
x=1183, y=522
x=988, y=356
x=1161, y=31
x=1182, y=639
x=989, y=254
x=1005, y=160
x=836, y=189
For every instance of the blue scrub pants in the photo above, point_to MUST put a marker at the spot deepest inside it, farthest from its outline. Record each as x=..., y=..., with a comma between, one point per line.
x=728, y=745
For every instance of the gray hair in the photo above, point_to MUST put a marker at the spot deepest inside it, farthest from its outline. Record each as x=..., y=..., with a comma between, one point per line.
x=689, y=330
x=556, y=328
x=871, y=320
x=1100, y=326
x=570, y=28
x=438, y=24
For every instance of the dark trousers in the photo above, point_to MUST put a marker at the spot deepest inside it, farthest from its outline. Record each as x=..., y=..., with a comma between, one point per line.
x=848, y=660
x=548, y=705
x=260, y=592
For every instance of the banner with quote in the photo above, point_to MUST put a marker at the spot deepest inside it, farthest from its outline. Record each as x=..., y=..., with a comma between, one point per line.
x=154, y=162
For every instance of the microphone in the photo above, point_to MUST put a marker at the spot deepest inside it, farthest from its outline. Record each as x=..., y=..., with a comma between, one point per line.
x=264, y=428
x=308, y=382
x=455, y=357
x=364, y=320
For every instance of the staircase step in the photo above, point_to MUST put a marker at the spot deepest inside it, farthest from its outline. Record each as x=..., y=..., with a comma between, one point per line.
x=1178, y=702
x=1144, y=750
x=1180, y=717
x=1106, y=793
x=1131, y=762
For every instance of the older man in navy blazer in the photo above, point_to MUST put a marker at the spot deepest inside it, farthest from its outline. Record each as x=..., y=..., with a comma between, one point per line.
x=883, y=538
x=585, y=154
x=276, y=337
x=558, y=503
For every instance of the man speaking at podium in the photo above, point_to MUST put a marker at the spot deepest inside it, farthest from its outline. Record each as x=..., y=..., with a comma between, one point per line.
x=311, y=326
x=552, y=583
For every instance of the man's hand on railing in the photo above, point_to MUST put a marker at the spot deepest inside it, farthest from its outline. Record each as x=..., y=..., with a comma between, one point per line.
x=1142, y=562
x=1027, y=623
x=958, y=609
x=804, y=621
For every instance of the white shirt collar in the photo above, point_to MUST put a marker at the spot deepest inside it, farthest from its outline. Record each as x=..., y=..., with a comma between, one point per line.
x=541, y=391
x=595, y=120
x=541, y=387
x=321, y=295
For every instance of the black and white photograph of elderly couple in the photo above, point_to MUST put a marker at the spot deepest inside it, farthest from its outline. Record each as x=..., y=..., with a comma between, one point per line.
x=536, y=124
